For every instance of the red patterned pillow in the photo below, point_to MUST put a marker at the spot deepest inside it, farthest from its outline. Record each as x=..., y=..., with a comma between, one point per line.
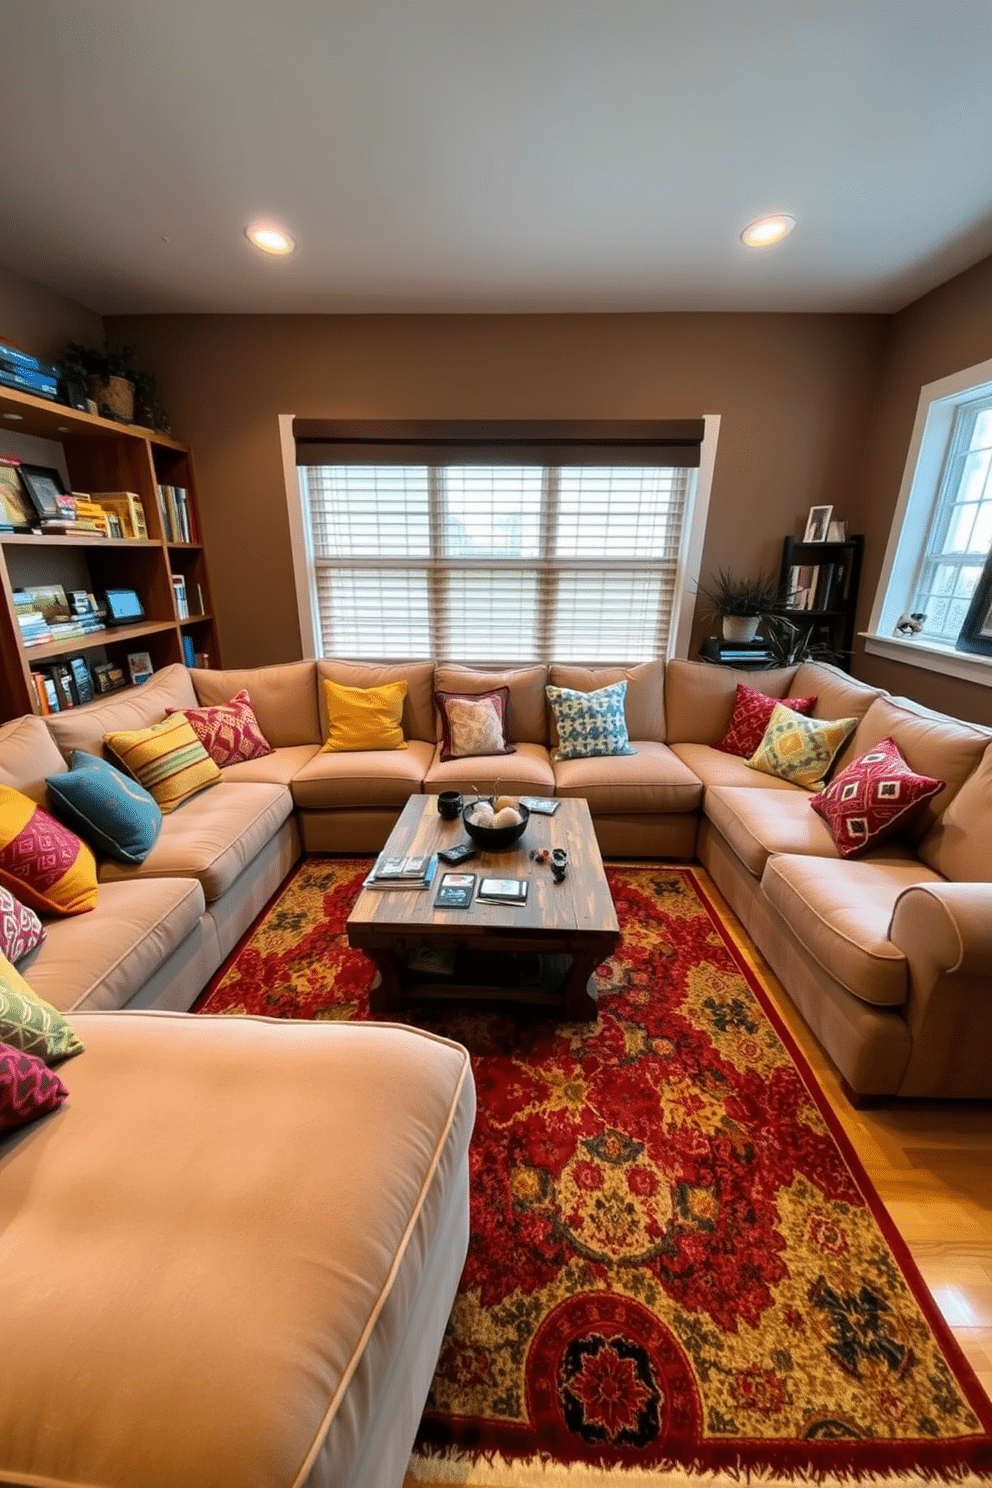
x=28, y=1088
x=499, y=697
x=869, y=800
x=229, y=732
x=20, y=928
x=750, y=717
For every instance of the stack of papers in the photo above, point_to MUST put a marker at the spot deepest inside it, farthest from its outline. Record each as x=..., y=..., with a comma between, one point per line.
x=402, y=873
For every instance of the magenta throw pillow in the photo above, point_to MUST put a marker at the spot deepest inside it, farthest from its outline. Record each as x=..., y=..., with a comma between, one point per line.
x=28, y=1088
x=871, y=798
x=229, y=732
x=750, y=717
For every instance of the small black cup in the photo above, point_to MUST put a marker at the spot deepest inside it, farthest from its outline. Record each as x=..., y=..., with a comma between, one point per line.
x=449, y=805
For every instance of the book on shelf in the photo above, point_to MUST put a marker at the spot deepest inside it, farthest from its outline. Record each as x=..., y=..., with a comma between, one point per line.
x=415, y=872
x=179, y=595
x=176, y=512
x=108, y=676
x=189, y=651
x=503, y=890
x=127, y=508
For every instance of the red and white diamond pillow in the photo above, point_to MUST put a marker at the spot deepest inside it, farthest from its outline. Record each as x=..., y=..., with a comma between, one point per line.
x=28, y=1088
x=750, y=717
x=229, y=732
x=871, y=798
x=20, y=928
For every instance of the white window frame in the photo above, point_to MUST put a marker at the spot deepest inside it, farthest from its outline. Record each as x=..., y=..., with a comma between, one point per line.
x=690, y=550
x=936, y=412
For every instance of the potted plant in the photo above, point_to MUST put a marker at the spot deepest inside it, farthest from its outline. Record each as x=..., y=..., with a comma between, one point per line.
x=107, y=375
x=741, y=603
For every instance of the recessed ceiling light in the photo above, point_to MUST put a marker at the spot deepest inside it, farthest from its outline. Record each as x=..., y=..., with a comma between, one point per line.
x=767, y=230
x=269, y=238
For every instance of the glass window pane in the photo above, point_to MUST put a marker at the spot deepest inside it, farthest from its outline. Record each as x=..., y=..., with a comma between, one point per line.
x=365, y=511
x=606, y=616
x=619, y=513
x=373, y=614
x=981, y=434
x=974, y=476
x=492, y=512
x=489, y=615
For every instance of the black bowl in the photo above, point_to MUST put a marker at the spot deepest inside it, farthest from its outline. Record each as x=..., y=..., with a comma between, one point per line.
x=495, y=839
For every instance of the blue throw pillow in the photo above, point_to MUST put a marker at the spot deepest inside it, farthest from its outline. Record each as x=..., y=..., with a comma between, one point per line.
x=590, y=723
x=112, y=812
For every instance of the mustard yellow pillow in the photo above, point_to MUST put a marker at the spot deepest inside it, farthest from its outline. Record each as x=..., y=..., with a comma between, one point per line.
x=364, y=717
x=167, y=759
x=800, y=749
x=41, y=862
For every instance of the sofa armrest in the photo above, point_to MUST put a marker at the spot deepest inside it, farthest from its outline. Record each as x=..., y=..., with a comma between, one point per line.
x=945, y=932
x=945, y=926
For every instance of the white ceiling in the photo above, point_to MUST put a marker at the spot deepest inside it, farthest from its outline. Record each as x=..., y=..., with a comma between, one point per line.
x=494, y=155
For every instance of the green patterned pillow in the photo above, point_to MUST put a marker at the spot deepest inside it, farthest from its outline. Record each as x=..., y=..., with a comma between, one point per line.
x=31, y=1024
x=800, y=749
x=590, y=723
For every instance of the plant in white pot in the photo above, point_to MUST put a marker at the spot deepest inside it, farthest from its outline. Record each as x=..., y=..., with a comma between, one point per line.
x=740, y=603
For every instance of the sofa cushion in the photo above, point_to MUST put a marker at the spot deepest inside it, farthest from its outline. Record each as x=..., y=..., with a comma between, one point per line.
x=837, y=693
x=114, y=813
x=167, y=758
x=28, y=1088
x=278, y=768
x=873, y=798
x=283, y=698
x=20, y=928
x=643, y=704
x=42, y=862
x=418, y=706
x=758, y=823
x=28, y=754
x=473, y=723
x=358, y=781
x=958, y=845
x=526, y=772
x=30, y=1023
x=213, y=838
x=104, y=959
x=229, y=732
x=526, y=714
x=699, y=698
x=134, y=708
x=238, y=1214
x=713, y=767
x=840, y=912
x=750, y=717
x=800, y=749
x=651, y=780
x=363, y=718
x=930, y=743
x=589, y=723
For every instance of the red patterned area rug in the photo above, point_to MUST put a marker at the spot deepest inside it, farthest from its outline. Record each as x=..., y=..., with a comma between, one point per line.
x=677, y=1263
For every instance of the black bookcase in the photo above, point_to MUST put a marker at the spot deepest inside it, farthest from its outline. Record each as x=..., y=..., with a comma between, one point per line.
x=820, y=582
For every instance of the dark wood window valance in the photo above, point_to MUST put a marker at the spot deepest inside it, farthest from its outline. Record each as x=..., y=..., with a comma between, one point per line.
x=664, y=442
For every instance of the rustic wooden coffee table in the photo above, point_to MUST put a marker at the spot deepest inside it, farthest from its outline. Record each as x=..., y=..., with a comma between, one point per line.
x=545, y=949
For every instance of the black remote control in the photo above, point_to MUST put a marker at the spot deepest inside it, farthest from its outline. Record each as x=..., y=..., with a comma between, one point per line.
x=460, y=853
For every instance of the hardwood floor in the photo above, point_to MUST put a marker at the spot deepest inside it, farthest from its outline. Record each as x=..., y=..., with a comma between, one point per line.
x=931, y=1164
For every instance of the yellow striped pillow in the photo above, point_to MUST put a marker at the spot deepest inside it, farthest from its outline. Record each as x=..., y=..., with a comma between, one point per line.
x=167, y=759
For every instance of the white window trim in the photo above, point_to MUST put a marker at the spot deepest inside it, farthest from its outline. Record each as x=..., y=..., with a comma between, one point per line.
x=935, y=414
x=690, y=551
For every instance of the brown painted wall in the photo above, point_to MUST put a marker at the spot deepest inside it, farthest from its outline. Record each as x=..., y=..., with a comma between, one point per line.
x=795, y=392
x=944, y=332
x=41, y=322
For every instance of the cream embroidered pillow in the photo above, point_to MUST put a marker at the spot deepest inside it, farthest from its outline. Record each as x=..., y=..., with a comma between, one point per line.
x=800, y=749
x=476, y=727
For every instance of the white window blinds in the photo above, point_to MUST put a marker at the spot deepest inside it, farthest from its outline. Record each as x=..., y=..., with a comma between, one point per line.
x=497, y=562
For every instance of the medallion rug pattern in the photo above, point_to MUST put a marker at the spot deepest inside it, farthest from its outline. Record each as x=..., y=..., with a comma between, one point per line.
x=676, y=1261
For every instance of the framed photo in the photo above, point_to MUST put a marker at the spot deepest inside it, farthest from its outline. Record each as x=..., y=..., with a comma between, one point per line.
x=44, y=485
x=139, y=664
x=16, y=511
x=817, y=524
x=976, y=632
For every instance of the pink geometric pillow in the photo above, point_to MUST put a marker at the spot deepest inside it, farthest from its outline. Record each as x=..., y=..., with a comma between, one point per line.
x=869, y=800
x=28, y=1088
x=750, y=717
x=229, y=732
x=20, y=928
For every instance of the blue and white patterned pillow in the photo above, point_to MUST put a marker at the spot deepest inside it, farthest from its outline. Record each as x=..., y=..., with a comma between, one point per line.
x=590, y=723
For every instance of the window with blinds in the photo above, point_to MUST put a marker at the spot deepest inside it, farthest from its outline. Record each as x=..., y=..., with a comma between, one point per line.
x=498, y=563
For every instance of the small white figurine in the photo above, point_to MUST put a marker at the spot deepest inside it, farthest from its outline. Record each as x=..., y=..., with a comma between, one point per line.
x=908, y=625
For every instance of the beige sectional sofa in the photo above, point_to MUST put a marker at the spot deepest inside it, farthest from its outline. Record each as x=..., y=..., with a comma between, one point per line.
x=887, y=956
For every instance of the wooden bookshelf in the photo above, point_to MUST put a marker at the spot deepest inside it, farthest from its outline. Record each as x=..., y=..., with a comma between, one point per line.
x=103, y=455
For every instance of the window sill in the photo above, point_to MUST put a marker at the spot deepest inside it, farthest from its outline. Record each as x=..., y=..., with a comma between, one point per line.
x=932, y=657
